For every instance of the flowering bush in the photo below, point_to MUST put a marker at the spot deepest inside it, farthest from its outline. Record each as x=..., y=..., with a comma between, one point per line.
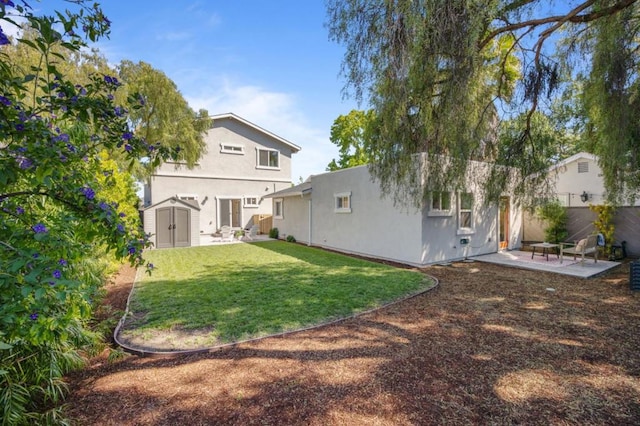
x=61, y=203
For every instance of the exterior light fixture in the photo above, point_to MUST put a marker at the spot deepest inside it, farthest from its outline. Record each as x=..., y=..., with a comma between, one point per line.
x=584, y=196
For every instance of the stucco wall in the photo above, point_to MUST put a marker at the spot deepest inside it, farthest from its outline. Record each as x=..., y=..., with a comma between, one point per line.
x=373, y=228
x=210, y=191
x=295, y=220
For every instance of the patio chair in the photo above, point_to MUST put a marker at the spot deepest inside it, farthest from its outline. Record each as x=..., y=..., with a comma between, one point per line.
x=251, y=232
x=228, y=234
x=583, y=247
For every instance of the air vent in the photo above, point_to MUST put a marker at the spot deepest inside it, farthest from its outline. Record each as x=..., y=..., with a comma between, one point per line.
x=583, y=167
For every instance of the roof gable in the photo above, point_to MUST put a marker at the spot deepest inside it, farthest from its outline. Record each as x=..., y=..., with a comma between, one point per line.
x=186, y=203
x=294, y=148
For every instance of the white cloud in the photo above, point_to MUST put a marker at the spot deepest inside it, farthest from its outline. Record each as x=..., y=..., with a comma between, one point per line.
x=174, y=36
x=277, y=112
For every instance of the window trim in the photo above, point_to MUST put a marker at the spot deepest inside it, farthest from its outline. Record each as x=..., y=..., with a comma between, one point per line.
x=279, y=215
x=246, y=204
x=337, y=198
x=439, y=212
x=259, y=166
x=465, y=230
x=224, y=148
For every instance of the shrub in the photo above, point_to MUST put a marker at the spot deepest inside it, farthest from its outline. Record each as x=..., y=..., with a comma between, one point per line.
x=604, y=224
x=274, y=233
x=556, y=218
x=291, y=239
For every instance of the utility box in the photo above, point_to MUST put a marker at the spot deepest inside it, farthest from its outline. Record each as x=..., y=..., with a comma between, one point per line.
x=634, y=275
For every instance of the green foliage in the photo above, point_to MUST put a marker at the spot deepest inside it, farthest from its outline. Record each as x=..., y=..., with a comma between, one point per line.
x=350, y=133
x=458, y=81
x=291, y=239
x=62, y=203
x=555, y=215
x=164, y=117
x=604, y=224
x=274, y=233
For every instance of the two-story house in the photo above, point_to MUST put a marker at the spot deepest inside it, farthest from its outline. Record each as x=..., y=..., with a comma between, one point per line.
x=242, y=164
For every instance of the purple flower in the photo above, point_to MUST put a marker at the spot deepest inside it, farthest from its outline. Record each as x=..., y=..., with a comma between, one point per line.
x=131, y=250
x=39, y=228
x=119, y=111
x=3, y=100
x=120, y=228
x=88, y=193
x=3, y=37
x=150, y=266
x=35, y=255
x=127, y=136
x=24, y=163
x=127, y=147
x=19, y=210
x=34, y=316
x=62, y=262
x=122, y=214
x=52, y=283
x=19, y=127
x=57, y=274
x=7, y=3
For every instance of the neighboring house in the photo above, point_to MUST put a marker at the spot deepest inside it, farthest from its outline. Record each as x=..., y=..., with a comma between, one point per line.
x=344, y=211
x=578, y=183
x=242, y=164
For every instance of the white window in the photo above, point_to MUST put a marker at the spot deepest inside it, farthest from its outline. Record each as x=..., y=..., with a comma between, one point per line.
x=268, y=158
x=440, y=204
x=465, y=212
x=583, y=167
x=229, y=148
x=278, y=208
x=343, y=202
x=251, y=201
x=187, y=196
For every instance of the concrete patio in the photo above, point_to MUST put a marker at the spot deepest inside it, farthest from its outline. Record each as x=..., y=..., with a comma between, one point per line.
x=523, y=259
x=209, y=240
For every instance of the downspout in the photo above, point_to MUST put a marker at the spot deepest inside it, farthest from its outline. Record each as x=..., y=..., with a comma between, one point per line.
x=309, y=243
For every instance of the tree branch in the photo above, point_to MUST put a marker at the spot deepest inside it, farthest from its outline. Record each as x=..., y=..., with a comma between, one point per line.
x=573, y=17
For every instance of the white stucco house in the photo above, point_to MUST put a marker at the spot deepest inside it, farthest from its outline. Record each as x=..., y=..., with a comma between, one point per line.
x=242, y=164
x=344, y=211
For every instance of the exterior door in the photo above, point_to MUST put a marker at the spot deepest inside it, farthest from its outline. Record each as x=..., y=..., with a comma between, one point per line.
x=173, y=227
x=231, y=213
x=503, y=219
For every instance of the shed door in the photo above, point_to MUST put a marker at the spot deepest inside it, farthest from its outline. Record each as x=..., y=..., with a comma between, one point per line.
x=164, y=227
x=173, y=227
x=182, y=232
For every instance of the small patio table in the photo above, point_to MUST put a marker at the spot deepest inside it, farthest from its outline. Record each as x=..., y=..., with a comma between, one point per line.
x=545, y=249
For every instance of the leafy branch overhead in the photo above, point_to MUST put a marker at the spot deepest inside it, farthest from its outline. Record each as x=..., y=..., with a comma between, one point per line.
x=445, y=79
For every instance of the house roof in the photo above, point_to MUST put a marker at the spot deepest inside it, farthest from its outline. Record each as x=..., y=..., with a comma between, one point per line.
x=575, y=157
x=294, y=191
x=294, y=147
x=187, y=203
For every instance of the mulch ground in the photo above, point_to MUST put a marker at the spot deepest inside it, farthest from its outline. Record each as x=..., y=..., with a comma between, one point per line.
x=490, y=345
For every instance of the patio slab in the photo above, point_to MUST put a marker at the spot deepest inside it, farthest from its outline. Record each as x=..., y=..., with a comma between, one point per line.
x=522, y=259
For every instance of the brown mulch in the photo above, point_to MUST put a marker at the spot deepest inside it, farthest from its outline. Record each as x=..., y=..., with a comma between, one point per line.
x=491, y=345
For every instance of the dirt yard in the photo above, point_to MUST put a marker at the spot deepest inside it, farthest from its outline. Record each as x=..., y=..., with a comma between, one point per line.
x=490, y=345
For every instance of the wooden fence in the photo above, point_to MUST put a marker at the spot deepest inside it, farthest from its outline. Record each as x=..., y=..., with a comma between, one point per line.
x=264, y=221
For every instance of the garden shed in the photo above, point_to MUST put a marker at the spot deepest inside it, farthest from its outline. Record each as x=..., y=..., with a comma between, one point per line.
x=173, y=223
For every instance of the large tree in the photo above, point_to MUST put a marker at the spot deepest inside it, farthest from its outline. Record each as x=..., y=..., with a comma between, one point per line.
x=164, y=118
x=443, y=76
x=350, y=133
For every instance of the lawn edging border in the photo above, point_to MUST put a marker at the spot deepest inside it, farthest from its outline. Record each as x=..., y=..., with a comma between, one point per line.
x=168, y=354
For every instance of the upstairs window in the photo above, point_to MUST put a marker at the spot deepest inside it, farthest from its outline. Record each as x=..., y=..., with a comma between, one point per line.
x=465, y=212
x=268, y=159
x=343, y=202
x=188, y=197
x=229, y=148
x=440, y=204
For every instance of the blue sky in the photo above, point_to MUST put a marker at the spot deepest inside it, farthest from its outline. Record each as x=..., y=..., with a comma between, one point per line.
x=271, y=62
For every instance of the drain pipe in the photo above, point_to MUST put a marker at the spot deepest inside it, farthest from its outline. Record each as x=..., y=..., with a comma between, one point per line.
x=310, y=223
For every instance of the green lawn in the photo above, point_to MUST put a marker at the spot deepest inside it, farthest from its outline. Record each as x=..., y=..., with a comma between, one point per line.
x=240, y=291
